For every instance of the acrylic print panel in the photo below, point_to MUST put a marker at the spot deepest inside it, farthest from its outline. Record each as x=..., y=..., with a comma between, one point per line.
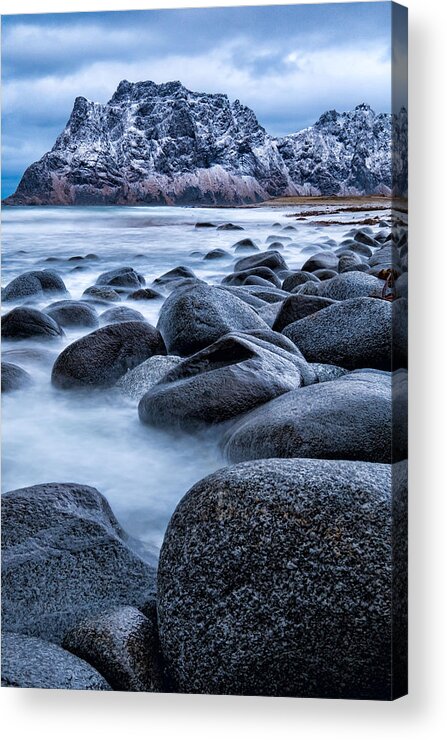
x=204, y=350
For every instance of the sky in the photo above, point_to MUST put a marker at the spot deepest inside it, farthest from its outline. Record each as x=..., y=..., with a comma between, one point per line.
x=288, y=63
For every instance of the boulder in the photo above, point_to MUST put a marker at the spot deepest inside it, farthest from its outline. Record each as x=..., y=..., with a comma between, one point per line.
x=324, y=260
x=14, y=377
x=275, y=578
x=101, y=293
x=230, y=227
x=233, y=375
x=245, y=245
x=272, y=260
x=122, y=277
x=135, y=383
x=353, y=334
x=31, y=663
x=29, y=323
x=296, y=307
x=193, y=318
x=33, y=284
x=118, y=314
x=349, y=261
x=123, y=646
x=350, y=418
x=325, y=274
x=239, y=278
x=363, y=237
x=177, y=273
x=351, y=285
x=216, y=254
x=100, y=358
x=65, y=557
x=145, y=294
x=275, y=246
x=298, y=278
x=73, y=314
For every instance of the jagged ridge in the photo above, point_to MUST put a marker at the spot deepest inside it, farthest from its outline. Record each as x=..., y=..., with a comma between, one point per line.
x=165, y=144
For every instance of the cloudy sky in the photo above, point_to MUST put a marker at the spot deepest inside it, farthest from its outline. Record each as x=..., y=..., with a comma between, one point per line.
x=288, y=63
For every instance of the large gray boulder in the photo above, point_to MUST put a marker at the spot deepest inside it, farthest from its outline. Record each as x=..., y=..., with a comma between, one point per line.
x=99, y=359
x=274, y=260
x=195, y=317
x=31, y=663
x=324, y=260
x=233, y=375
x=65, y=557
x=135, y=383
x=123, y=646
x=14, y=377
x=73, y=314
x=297, y=307
x=350, y=418
x=122, y=277
x=351, y=285
x=275, y=578
x=354, y=334
x=29, y=323
x=34, y=284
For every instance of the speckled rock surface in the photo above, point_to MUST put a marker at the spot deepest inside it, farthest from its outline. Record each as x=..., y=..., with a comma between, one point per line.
x=29, y=323
x=233, y=375
x=193, y=318
x=351, y=285
x=124, y=277
x=123, y=646
x=73, y=314
x=64, y=557
x=14, y=377
x=297, y=307
x=135, y=383
x=102, y=357
x=33, y=284
x=354, y=334
x=118, y=314
x=346, y=419
x=275, y=579
x=28, y=662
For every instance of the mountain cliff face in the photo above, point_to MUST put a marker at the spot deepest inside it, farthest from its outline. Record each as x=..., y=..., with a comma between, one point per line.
x=165, y=144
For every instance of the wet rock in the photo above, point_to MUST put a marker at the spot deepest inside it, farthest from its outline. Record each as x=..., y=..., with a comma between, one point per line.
x=28, y=662
x=172, y=276
x=145, y=294
x=65, y=557
x=33, y=284
x=309, y=288
x=272, y=260
x=193, y=318
x=298, y=278
x=14, y=378
x=99, y=359
x=216, y=254
x=135, y=383
x=349, y=261
x=296, y=307
x=29, y=323
x=325, y=274
x=230, y=227
x=101, y=293
x=233, y=375
x=276, y=246
x=275, y=578
x=325, y=373
x=346, y=419
x=122, y=277
x=321, y=261
x=245, y=245
x=364, y=238
x=118, y=314
x=349, y=245
x=351, y=285
x=239, y=277
x=72, y=314
x=269, y=312
x=123, y=646
x=354, y=334
x=205, y=225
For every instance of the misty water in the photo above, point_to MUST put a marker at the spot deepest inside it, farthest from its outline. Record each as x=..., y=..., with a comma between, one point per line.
x=96, y=438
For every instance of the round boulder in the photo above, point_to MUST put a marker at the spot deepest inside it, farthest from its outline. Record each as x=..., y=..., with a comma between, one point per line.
x=350, y=418
x=73, y=314
x=195, y=317
x=118, y=314
x=14, y=378
x=29, y=323
x=31, y=663
x=33, y=284
x=275, y=578
x=122, y=277
x=99, y=359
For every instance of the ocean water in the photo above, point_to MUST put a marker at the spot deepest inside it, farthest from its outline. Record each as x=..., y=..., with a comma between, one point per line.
x=96, y=438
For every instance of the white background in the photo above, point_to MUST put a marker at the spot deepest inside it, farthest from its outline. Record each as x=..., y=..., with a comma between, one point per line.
x=51, y=714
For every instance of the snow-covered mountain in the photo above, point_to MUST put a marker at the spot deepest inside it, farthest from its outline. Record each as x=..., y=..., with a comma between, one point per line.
x=165, y=144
